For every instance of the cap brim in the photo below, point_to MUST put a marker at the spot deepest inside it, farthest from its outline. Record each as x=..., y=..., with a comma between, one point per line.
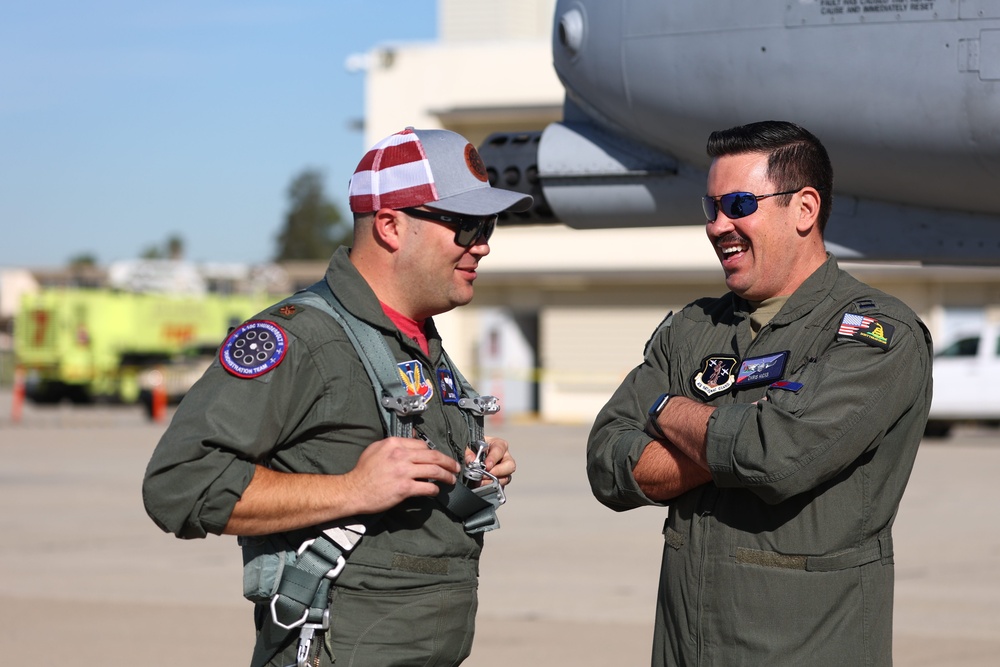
x=483, y=201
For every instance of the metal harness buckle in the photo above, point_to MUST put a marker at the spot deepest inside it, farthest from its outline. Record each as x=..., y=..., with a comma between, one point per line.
x=480, y=405
x=475, y=470
x=404, y=405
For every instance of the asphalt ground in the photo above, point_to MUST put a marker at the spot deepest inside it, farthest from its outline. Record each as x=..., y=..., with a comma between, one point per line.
x=87, y=579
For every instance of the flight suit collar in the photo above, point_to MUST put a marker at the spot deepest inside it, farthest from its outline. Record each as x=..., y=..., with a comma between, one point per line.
x=810, y=293
x=358, y=297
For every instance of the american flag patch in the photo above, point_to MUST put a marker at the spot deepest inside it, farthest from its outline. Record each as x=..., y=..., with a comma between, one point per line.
x=394, y=173
x=866, y=329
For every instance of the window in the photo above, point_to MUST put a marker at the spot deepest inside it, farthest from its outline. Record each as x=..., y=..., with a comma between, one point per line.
x=963, y=347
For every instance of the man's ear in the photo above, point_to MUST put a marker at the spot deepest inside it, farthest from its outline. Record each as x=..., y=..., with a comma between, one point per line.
x=386, y=227
x=809, y=203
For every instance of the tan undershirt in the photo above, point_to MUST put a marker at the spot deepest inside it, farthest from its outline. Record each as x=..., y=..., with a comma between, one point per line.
x=762, y=312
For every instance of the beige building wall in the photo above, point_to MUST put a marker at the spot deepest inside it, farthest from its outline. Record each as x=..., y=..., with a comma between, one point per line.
x=593, y=296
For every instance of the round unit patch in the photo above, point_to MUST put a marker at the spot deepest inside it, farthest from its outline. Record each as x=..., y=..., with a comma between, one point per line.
x=475, y=163
x=253, y=348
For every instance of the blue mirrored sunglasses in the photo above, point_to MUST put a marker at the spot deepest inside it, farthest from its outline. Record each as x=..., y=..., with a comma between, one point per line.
x=736, y=204
x=468, y=229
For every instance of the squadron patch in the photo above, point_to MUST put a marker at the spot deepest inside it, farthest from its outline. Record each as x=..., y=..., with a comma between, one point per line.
x=254, y=348
x=761, y=370
x=866, y=329
x=446, y=383
x=416, y=380
x=716, y=375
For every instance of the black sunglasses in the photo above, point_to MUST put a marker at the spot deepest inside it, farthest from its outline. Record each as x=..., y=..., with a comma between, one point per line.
x=736, y=204
x=468, y=230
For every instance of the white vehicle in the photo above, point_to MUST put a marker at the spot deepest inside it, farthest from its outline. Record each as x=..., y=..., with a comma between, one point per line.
x=966, y=386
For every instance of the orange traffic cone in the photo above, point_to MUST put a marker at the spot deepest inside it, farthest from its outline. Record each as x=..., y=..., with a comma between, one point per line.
x=18, y=398
x=159, y=411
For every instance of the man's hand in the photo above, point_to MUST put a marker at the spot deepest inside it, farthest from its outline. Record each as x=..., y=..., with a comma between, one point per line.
x=499, y=462
x=390, y=471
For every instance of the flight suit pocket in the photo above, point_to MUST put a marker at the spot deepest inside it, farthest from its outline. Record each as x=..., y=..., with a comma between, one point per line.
x=795, y=393
x=432, y=626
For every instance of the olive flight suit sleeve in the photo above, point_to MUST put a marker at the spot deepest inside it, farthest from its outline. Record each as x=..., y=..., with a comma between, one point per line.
x=851, y=395
x=618, y=437
x=224, y=427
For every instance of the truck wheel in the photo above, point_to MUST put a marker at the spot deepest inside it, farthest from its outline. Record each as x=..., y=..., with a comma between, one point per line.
x=146, y=398
x=937, y=429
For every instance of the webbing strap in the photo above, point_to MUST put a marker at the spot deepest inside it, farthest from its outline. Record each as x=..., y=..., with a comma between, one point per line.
x=378, y=360
x=304, y=588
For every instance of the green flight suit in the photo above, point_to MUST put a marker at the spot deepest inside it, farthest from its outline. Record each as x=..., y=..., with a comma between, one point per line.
x=408, y=593
x=785, y=558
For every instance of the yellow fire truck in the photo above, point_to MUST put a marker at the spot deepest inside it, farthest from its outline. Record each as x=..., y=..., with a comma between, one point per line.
x=93, y=344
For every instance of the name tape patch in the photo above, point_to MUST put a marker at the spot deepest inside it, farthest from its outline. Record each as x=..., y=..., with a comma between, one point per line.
x=254, y=348
x=761, y=370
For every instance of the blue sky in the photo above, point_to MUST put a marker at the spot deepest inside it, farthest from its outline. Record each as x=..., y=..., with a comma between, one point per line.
x=123, y=123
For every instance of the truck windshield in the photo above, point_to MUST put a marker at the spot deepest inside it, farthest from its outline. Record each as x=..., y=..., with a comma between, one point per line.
x=964, y=347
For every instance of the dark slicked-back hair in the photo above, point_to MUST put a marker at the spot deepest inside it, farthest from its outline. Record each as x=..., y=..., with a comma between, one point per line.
x=796, y=158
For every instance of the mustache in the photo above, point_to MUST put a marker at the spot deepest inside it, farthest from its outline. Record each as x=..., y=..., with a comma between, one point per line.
x=731, y=238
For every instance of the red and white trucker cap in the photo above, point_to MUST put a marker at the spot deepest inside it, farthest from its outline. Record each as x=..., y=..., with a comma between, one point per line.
x=437, y=168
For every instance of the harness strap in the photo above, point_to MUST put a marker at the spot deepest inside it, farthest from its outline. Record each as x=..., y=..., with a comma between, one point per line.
x=303, y=591
x=394, y=402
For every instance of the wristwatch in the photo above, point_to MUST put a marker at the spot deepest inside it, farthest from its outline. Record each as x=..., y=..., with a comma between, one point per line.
x=654, y=413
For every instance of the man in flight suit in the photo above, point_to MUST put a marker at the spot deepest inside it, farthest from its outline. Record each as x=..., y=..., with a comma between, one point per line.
x=778, y=422
x=283, y=434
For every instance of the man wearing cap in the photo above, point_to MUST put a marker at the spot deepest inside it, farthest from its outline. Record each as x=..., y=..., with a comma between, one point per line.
x=779, y=422
x=284, y=434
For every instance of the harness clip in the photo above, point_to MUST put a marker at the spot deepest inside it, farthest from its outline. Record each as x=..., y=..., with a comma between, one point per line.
x=475, y=470
x=404, y=405
x=481, y=405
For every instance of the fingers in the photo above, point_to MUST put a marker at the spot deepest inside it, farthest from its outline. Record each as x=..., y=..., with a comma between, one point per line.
x=498, y=462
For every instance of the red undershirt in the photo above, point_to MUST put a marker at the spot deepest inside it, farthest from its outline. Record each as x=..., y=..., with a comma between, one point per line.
x=411, y=328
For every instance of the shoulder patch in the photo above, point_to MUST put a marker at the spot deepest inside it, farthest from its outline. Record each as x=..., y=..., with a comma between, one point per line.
x=866, y=329
x=253, y=348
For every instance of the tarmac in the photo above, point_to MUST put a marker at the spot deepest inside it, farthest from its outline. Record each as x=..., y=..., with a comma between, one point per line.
x=87, y=579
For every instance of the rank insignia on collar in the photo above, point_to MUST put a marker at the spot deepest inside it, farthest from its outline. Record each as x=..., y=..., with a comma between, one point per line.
x=253, y=348
x=415, y=380
x=761, y=370
x=446, y=383
x=716, y=375
x=866, y=329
